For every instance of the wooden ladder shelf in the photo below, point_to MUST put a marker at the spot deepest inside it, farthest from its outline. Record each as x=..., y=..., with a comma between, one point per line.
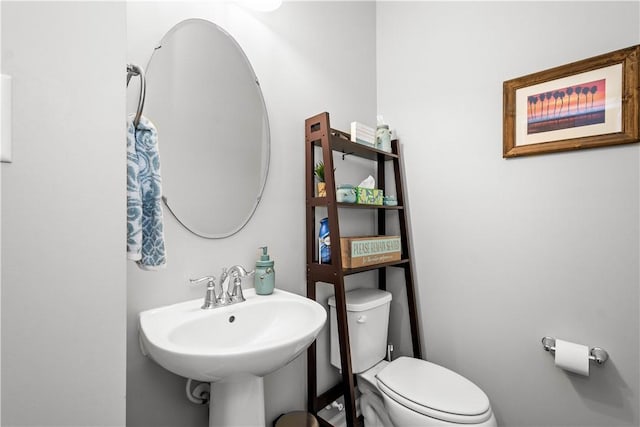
x=318, y=133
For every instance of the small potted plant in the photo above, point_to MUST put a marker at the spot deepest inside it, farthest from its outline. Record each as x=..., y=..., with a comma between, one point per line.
x=318, y=172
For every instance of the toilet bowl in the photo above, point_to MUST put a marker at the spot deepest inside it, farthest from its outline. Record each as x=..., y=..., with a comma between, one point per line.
x=416, y=392
x=371, y=403
x=406, y=392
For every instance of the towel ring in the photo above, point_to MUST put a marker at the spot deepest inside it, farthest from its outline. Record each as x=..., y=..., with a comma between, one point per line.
x=136, y=70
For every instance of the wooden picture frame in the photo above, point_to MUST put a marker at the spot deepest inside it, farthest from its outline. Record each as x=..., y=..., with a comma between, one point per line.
x=585, y=104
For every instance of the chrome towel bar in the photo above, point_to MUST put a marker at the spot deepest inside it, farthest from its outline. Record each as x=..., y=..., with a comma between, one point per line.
x=596, y=354
x=135, y=70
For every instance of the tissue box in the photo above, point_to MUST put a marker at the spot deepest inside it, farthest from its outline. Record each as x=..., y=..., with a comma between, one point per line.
x=369, y=196
x=370, y=250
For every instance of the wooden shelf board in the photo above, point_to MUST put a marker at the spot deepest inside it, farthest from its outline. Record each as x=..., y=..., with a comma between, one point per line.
x=341, y=141
x=362, y=206
x=327, y=270
x=324, y=201
x=348, y=271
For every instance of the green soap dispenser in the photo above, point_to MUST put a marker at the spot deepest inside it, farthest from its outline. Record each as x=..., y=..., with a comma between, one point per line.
x=265, y=276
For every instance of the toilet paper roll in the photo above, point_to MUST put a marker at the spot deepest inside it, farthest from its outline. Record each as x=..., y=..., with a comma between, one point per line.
x=572, y=357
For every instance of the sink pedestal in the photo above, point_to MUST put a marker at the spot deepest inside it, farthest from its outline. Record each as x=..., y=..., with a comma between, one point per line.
x=237, y=401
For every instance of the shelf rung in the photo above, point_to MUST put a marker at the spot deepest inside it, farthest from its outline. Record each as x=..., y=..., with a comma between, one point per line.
x=322, y=272
x=361, y=206
x=329, y=273
x=338, y=142
x=317, y=201
x=324, y=201
x=348, y=271
x=330, y=395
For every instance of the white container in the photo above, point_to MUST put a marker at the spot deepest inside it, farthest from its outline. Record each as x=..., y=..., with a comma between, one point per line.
x=383, y=138
x=368, y=322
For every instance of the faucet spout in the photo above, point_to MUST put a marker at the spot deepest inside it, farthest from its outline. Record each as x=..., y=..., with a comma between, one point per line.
x=240, y=271
x=224, y=298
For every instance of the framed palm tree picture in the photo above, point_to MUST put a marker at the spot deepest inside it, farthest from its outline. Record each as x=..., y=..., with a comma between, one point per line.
x=585, y=104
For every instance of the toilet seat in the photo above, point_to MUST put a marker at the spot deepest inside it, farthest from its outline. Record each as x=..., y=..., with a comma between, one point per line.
x=434, y=391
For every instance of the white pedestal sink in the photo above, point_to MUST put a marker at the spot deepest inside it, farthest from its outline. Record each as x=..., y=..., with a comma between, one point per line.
x=232, y=347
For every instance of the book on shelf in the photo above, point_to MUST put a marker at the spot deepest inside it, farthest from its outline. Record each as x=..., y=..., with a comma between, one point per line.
x=363, y=134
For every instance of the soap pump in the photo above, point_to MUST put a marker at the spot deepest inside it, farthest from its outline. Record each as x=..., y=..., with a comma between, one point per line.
x=265, y=276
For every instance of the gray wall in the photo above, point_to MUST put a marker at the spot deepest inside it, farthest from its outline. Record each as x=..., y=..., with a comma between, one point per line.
x=310, y=57
x=511, y=250
x=63, y=257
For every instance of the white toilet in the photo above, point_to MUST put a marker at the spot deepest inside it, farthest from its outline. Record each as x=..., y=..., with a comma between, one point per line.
x=407, y=392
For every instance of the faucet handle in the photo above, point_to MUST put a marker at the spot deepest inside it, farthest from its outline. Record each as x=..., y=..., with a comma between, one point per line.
x=209, y=279
x=210, y=299
x=238, y=273
x=236, y=294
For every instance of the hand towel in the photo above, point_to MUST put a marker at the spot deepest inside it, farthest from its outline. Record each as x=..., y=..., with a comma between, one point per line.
x=145, y=227
x=134, y=198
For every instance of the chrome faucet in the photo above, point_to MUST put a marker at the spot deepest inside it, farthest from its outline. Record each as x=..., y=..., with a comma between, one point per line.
x=221, y=297
x=237, y=272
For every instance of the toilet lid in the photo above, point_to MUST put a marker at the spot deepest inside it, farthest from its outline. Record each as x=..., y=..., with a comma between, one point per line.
x=434, y=391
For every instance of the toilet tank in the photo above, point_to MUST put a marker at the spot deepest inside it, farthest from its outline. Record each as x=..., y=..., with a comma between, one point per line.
x=368, y=320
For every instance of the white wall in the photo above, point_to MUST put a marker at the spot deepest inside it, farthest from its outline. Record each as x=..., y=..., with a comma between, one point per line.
x=511, y=250
x=63, y=217
x=310, y=57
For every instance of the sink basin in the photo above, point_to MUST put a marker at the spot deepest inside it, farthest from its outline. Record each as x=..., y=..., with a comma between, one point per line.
x=254, y=337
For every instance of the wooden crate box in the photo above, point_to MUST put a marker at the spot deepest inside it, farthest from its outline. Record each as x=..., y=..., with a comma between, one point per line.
x=369, y=250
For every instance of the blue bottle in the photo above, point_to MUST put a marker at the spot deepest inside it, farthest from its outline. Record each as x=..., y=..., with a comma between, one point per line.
x=324, y=242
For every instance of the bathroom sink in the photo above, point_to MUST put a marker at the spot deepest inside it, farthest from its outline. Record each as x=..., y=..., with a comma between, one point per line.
x=254, y=337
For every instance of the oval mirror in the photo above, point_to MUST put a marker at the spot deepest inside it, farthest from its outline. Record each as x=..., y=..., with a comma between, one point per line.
x=213, y=130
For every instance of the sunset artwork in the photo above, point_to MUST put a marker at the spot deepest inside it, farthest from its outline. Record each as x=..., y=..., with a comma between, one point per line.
x=567, y=107
x=584, y=104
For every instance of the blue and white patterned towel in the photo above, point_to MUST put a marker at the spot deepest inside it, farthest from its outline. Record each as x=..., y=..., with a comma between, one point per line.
x=145, y=235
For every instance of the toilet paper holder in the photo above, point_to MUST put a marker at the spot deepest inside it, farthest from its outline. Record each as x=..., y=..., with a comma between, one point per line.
x=596, y=354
